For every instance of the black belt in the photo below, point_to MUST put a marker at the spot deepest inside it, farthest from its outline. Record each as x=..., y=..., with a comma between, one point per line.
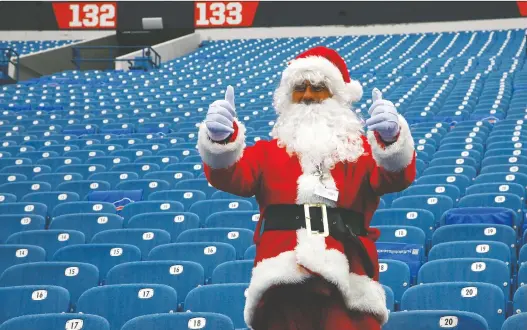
x=342, y=224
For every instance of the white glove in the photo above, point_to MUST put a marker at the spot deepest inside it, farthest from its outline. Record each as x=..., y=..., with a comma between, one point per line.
x=220, y=117
x=384, y=118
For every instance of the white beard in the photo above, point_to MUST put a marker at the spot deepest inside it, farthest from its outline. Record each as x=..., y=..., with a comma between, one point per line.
x=319, y=134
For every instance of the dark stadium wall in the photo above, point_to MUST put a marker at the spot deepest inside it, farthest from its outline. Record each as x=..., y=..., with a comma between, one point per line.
x=32, y=15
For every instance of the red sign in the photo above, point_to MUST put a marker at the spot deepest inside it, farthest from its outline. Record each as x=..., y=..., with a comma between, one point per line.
x=86, y=15
x=214, y=14
x=522, y=6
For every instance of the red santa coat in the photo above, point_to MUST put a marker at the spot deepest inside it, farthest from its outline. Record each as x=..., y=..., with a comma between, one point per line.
x=268, y=172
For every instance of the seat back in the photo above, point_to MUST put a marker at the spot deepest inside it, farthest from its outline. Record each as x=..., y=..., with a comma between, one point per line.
x=240, y=239
x=205, y=208
x=515, y=322
x=239, y=271
x=14, y=223
x=144, y=239
x=205, y=321
x=395, y=274
x=49, y=240
x=56, y=321
x=172, y=222
x=436, y=320
x=16, y=254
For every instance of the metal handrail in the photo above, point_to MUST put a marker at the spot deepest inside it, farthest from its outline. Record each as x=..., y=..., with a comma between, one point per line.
x=147, y=52
x=10, y=53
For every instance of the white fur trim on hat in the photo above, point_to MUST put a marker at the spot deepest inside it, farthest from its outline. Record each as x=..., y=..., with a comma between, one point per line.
x=218, y=155
x=398, y=155
x=360, y=293
x=347, y=92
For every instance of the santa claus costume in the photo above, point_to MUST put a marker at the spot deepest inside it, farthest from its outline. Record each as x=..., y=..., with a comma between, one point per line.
x=310, y=273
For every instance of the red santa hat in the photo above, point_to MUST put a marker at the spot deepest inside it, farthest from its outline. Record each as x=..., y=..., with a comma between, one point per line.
x=326, y=63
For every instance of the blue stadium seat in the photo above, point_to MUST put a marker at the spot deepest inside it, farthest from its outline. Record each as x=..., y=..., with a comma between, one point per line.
x=114, y=178
x=436, y=320
x=12, y=177
x=233, y=219
x=85, y=155
x=140, y=168
x=83, y=169
x=56, y=162
x=239, y=271
x=209, y=255
x=144, y=239
x=51, y=198
x=16, y=254
x=131, y=154
x=484, y=299
x=515, y=322
x=185, y=197
x=390, y=298
x=49, y=240
x=520, y=300
x=434, y=189
x=56, y=321
x=149, y=207
x=108, y=161
x=460, y=181
x=21, y=189
x=501, y=200
x=7, y=198
x=161, y=161
x=437, y=204
x=402, y=234
x=410, y=254
x=172, y=177
x=183, y=276
x=172, y=222
x=75, y=277
x=523, y=255
x=28, y=170
x=226, y=195
x=522, y=275
x=15, y=223
x=205, y=208
x=87, y=223
x=83, y=207
x=250, y=253
x=54, y=179
x=103, y=256
x=197, y=184
x=497, y=188
x=468, y=171
x=211, y=298
x=394, y=274
x=148, y=186
x=84, y=187
x=33, y=299
x=205, y=321
x=504, y=177
x=135, y=300
x=240, y=239
x=471, y=249
x=419, y=218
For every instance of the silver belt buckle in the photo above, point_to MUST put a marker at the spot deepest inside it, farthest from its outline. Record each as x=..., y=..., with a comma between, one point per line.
x=323, y=207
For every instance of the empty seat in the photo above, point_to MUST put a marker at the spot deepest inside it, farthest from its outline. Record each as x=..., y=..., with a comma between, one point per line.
x=108, y=161
x=149, y=207
x=49, y=240
x=434, y=189
x=75, y=277
x=56, y=162
x=497, y=188
x=434, y=203
x=206, y=321
x=51, y=198
x=14, y=223
x=460, y=181
x=197, y=184
x=436, y=320
x=240, y=239
x=211, y=298
x=20, y=189
x=134, y=300
x=484, y=299
x=239, y=271
x=83, y=207
x=205, y=208
x=162, y=161
x=396, y=275
x=172, y=177
x=84, y=187
x=15, y=254
x=420, y=218
x=148, y=186
x=185, y=197
x=33, y=299
x=103, y=256
x=209, y=255
x=114, y=178
x=402, y=234
x=85, y=155
x=83, y=169
x=88, y=224
x=515, y=322
x=520, y=300
x=54, y=179
x=471, y=249
x=172, y=222
x=144, y=239
x=250, y=253
x=28, y=170
x=12, y=177
x=233, y=219
x=183, y=276
x=56, y=321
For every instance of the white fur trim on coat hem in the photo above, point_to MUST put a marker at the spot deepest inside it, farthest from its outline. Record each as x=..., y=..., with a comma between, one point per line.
x=360, y=293
x=218, y=155
x=397, y=155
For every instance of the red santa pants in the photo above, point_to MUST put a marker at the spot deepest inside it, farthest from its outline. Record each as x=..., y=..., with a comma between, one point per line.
x=314, y=305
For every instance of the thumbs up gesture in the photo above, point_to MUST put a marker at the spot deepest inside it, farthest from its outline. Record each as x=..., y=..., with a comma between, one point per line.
x=384, y=118
x=220, y=117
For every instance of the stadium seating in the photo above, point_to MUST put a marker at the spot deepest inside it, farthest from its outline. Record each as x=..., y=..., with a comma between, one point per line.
x=56, y=321
x=206, y=321
x=436, y=320
x=144, y=239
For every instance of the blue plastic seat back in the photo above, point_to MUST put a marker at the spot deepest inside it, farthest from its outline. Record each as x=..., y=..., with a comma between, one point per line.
x=437, y=204
x=233, y=219
x=515, y=322
x=211, y=298
x=135, y=300
x=14, y=223
x=149, y=207
x=205, y=321
x=87, y=223
x=226, y=195
x=197, y=184
x=24, y=208
x=520, y=300
x=85, y=155
x=49, y=240
x=420, y=218
x=522, y=275
x=250, y=253
x=436, y=320
x=75, y=277
x=56, y=321
x=497, y=188
x=148, y=186
x=523, y=255
x=12, y=177
x=208, y=254
x=180, y=152
x=114, y=178
x=84, y=187
x=56, y=162
x=7, y=198
x=239, y=271
x=449, y=190
x=54, y=179
x=468, y=171
x=410, y=254
x=16, y=254
x=396, y=275
x=205, y=208
x=15, y=161
x=484, y=299
x=240, y=239
x=172, y=222
x=471, y=249
x=83, y=207
x=504, y=168
x=140, y=168
x=51, y=198
x=108, y=161
x=103, y=256
x=33, y=299
x=402, y=234
x=185, y=197
x=21, y=189
x=460, y=181
x=468, y=270
x=504, y=177
x=162, y=161
x=183, y=276
x=503, y=160
x=28, y=170
x=172, y=177
x=473, y=154
x=144, y=239
x=131, y=154
x=36, y=156
x=83, y=169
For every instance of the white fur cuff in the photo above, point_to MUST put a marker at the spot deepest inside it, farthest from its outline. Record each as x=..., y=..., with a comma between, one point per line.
x=218, y=155
x=397, y=155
